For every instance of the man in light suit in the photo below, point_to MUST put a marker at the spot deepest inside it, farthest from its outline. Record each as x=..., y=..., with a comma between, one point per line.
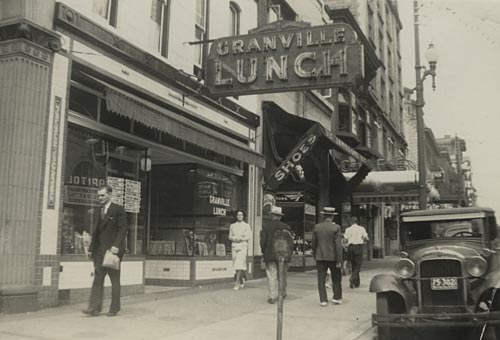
x=109, y=233
x=327, y=250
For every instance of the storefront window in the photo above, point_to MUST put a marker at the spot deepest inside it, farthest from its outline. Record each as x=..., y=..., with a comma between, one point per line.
x=91, y=162
x=192, y=208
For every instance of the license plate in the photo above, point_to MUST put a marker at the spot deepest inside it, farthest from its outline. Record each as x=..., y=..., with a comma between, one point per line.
x=444, y=283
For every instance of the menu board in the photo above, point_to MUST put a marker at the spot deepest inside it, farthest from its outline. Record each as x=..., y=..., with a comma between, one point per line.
x=126, y=193
x=132, y=196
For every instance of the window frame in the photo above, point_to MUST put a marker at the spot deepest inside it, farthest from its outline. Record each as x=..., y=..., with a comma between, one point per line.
x=235, y=11
x=200, y=27
x=164, y=24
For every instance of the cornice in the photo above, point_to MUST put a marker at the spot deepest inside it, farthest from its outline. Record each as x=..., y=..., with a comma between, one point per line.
x=27, y=30
x=14, y=47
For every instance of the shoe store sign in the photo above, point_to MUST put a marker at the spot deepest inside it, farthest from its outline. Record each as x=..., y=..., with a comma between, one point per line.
x=295, y=157
x=285, y=56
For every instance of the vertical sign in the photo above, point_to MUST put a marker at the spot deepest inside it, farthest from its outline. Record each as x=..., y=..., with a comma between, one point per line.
x=54, y=152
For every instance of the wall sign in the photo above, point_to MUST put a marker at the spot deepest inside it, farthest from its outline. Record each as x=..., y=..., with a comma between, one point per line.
x=284, y=57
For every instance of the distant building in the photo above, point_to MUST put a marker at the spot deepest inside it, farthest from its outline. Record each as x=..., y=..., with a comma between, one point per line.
x=448, y=172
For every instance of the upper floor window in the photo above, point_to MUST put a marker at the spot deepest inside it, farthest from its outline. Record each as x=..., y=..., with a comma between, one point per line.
x=107, y=9
x=200, y=30
x=160, y=12
x=235, y=10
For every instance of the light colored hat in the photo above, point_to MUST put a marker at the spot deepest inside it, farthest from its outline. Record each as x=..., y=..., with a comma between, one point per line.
x=329, y=211
x=276, y=210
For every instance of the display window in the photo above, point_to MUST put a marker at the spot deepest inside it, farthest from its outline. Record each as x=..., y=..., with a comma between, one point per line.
x=299, y=209
x=93, y=160
x=192, y=208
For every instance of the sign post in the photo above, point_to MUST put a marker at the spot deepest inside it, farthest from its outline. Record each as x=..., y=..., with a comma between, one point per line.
x=282, y=248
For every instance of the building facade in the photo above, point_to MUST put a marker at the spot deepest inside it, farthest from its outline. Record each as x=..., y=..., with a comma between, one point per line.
x=111, y=92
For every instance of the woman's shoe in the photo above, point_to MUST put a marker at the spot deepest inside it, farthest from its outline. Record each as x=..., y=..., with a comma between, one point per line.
x=236, y=287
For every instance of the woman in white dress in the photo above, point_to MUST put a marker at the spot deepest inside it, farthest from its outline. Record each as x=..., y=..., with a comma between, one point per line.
x=239, y=234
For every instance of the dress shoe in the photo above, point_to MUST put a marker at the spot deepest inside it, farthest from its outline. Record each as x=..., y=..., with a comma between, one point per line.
x=112, y=313
x=90, y=312
x=271, y=301
x=323, y=304
x=337, y=302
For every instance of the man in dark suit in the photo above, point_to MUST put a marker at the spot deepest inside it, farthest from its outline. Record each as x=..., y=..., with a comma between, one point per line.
x=327, y=250
x=109, y=233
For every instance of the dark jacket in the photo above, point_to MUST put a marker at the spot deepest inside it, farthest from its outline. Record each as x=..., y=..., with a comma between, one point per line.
x=269, y=229
x=327, y=242
x=110, y=231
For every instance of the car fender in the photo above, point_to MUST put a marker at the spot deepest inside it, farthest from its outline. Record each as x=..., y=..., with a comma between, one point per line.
x=382, y=283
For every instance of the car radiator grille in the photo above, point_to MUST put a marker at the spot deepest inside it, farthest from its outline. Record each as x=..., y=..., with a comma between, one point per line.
x=441, y=268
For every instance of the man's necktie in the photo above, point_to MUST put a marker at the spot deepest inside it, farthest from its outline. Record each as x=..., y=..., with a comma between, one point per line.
x=103, y=213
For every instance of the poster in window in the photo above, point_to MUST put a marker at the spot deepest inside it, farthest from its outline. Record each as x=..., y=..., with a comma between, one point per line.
x=169, y=248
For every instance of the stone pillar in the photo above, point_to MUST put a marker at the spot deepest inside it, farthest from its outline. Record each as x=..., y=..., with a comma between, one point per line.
x=26, y=54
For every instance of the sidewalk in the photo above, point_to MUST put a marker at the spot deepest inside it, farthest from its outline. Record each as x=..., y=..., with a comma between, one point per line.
x=211, y=312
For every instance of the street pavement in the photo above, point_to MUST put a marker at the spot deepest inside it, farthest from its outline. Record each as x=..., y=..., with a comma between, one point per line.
x=212, y=312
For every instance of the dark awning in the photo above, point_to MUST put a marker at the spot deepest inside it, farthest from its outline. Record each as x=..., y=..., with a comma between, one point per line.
x=386, y=187
x=309, y=133
x=157, y=117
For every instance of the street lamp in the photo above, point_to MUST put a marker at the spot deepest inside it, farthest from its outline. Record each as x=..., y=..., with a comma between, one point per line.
x=432, y=58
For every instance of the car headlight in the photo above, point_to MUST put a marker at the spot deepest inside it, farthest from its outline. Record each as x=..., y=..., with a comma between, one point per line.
x=405, y=268
x=476, y=266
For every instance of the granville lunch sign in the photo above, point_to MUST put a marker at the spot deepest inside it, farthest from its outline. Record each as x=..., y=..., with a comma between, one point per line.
x=284, y=57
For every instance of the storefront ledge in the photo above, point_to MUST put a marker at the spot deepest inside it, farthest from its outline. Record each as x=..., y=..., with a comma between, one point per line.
x=83, y=258
x=19, y=300
x=187, y=258
x=186, y=283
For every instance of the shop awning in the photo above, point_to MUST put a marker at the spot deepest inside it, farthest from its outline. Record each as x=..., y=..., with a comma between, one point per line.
x=310, y=134
x=154, y=116
x=386, y=187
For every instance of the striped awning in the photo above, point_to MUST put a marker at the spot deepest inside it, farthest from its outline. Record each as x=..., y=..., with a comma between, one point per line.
x=135, y=108
x=157, y=117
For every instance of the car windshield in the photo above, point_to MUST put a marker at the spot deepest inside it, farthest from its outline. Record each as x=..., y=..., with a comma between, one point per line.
x=423, y=230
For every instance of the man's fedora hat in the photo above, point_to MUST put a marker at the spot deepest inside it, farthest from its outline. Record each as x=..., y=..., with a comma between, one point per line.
x=329, y=211
x=276, y=210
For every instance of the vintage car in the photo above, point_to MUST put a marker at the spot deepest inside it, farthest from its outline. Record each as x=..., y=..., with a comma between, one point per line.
x=448, y=274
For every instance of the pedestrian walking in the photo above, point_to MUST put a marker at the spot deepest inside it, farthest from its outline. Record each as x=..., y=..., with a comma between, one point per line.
x=327, y=250
x=267, y=238
x=356, y=236
x=346, y=266
x=109, y=231
x=239, y=234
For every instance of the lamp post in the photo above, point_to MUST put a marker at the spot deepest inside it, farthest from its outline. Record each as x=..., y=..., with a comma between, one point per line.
x=431, y=56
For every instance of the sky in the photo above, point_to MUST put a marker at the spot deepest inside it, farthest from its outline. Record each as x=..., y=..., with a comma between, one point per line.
x=466, y=101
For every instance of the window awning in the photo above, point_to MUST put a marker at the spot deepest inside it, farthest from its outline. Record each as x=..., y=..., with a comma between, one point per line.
x=310, y=134
x=301, y=124
x=157, y=117
x=386, y=187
